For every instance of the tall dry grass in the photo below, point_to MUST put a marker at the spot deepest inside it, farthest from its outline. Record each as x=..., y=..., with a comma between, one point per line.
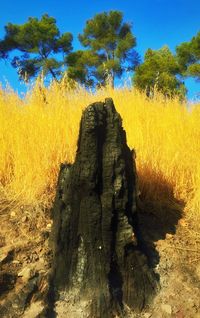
x=40, y=131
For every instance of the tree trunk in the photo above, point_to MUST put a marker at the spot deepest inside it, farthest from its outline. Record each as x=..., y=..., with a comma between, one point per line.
x=98, y=268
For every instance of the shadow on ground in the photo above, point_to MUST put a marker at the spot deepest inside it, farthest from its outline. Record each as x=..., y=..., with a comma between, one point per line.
x=158, y=213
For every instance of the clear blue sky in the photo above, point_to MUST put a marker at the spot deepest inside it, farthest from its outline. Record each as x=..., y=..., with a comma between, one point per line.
x=155, y=23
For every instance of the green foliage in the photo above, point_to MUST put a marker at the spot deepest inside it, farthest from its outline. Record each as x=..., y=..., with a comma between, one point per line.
x=109, y=43
x=188, y=54
x=159, y=70
x=81, y=66
x=38, y=41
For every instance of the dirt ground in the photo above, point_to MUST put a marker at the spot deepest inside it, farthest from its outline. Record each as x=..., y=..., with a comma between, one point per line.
x=169, y=240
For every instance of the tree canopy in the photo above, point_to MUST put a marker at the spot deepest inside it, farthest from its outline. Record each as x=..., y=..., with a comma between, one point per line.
x=159, y=70
x=108, y=51
x=82, y=67
x=109, y=44
x=38, y=41
x=189, y=57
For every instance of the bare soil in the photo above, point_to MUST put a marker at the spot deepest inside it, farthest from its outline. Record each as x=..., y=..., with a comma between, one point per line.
x=173, y=253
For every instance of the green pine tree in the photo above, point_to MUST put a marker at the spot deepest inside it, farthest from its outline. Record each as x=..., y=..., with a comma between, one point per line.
x=39, y=42
x=189, y=57
x=160, y=70
x=109, y=44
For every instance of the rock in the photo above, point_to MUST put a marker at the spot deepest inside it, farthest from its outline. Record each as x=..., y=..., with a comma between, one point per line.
x=48, y=227
x=24, y=218
x=26, y=273
x=166, y=308
x=13, y=214
x=94, y=235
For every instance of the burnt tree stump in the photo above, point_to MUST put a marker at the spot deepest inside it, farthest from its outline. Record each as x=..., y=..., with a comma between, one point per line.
x=98, y=268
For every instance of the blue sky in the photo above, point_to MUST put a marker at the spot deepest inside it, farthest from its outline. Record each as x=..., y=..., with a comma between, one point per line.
x=155, y=23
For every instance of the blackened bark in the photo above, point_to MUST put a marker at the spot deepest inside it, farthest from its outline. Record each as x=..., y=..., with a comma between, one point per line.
x=97, y=258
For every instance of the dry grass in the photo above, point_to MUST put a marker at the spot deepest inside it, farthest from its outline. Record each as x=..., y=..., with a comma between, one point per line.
x=40, y=131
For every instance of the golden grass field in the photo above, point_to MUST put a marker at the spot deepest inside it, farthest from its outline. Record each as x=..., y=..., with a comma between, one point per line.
x=40, y=131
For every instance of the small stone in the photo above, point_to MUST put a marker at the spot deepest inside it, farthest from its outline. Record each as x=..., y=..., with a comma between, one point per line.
x=169, y=236
x=166, y=308
x=49, y=225
x=13, y=214
x=26, y=273
x=24, y=218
